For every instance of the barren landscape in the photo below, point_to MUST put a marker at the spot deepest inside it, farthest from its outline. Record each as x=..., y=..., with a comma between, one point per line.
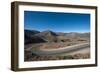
x=50, y=45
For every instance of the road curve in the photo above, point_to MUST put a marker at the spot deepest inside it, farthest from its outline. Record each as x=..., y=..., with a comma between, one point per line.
x=60, y=50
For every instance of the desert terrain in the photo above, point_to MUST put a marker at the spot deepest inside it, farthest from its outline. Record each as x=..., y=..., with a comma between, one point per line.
x=50, y=45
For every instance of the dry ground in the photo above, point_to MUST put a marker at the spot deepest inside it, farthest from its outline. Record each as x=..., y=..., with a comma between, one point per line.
x=29, y=56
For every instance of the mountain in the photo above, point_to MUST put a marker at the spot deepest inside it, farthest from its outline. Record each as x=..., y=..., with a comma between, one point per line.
x=30, y=33
x=61, y=34
x=77, y=35
x=48, y=35
x=33, y=36
x=30, y=38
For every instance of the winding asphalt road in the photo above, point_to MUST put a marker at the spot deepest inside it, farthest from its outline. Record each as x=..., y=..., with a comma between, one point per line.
x=79, y=48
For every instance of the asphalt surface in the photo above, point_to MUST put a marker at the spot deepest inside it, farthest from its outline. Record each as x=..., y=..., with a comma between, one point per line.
x=69, y=50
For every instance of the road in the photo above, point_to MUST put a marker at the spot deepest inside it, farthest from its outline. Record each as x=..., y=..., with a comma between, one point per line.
x=79, y=48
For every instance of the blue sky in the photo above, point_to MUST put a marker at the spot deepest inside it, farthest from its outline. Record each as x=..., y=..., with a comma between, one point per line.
x=56, y=21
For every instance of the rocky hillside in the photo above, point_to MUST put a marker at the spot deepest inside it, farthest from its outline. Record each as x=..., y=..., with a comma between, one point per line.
x=33, y=36
x=30, y=38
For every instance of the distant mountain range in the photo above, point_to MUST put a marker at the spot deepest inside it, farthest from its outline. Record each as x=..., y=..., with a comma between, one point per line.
x=34, y=36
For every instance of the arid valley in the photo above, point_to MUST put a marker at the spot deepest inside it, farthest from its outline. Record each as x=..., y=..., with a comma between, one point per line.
x=50, y=45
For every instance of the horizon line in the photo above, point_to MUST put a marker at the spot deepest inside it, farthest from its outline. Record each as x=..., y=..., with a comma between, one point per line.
x=62, y=31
